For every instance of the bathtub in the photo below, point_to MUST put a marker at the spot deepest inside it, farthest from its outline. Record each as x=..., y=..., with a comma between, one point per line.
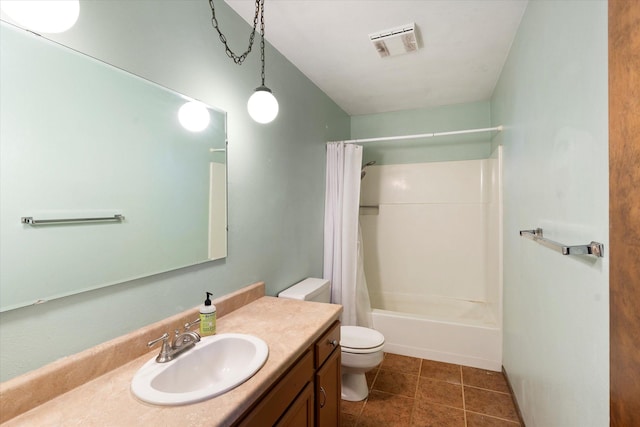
x=438, y=328
x=433, y=258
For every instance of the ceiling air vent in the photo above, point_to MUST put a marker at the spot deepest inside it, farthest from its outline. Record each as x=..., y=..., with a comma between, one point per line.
x=395, y=41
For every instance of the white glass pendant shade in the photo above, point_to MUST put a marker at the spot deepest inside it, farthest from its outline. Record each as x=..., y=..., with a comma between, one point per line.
x=262, y=105
x=43, y=16
x=194, y=116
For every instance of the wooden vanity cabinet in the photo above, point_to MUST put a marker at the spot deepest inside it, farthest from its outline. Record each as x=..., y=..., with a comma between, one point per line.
x=276, y=404
x=327, y=378
x=301, y=411
x=308, y=394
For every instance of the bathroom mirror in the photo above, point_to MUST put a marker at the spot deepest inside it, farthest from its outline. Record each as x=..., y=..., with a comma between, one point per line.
x=82, y=140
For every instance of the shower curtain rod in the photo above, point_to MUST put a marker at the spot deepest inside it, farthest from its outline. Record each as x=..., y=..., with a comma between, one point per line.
x=423, y=135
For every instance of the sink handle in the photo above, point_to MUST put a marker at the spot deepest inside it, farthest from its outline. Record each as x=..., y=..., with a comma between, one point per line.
x=165, y=351
x=163, y=338
x=190, y=324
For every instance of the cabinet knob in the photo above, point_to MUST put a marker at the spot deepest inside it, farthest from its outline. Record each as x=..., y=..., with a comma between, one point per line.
x=333, y=343
x=324, y=396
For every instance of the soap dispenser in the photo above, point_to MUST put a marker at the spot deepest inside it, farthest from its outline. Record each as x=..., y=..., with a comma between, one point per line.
x=207, y=317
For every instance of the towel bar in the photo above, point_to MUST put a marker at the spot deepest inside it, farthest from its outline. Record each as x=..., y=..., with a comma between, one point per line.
x=593, y=248
x=32, y=221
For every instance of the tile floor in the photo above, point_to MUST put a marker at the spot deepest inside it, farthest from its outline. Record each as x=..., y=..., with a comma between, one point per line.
x=411, y=392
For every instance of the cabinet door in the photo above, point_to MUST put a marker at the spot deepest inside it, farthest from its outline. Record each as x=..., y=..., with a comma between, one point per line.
x=328, y=386
x=300, y=413
x=278, y=400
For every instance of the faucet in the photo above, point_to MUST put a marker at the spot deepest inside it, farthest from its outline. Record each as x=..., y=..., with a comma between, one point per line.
x=181, y=342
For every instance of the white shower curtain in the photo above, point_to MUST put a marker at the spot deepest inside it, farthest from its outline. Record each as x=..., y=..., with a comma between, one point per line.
x=342, y=237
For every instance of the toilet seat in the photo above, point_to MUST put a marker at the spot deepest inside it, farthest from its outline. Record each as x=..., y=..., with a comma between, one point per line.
x=360, y=340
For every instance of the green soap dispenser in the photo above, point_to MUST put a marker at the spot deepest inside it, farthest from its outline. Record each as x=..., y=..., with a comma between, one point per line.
x=207, y=317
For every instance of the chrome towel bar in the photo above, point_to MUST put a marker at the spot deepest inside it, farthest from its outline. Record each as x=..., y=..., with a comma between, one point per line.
x=593, y=248
x=31, y=221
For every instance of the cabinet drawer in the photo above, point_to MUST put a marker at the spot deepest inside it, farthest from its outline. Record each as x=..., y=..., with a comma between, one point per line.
x=276, y=402
x=326, y=344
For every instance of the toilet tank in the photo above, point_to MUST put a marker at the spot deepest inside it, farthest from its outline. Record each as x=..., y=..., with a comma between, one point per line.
x=310, y=289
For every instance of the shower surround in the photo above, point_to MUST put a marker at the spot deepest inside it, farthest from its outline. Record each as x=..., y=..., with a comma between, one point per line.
x=432, y=258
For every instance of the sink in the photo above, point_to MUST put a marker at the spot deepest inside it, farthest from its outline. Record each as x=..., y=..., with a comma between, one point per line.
x=214, y=366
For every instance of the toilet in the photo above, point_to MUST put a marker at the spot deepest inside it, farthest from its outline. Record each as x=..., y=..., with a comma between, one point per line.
x=361, y=347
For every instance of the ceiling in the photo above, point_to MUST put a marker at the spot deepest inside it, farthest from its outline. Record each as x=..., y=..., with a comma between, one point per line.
x=463, y=45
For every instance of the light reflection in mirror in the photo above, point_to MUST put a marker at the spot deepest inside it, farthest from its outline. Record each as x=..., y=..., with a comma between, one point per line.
x=43, y=16
x=194, y=116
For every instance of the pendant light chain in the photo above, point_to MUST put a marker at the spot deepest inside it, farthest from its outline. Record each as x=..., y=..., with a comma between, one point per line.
x=261, y=38
x=240, y=59
x=262, y=104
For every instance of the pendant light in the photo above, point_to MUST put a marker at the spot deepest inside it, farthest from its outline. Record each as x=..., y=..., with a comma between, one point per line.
x=262, y=105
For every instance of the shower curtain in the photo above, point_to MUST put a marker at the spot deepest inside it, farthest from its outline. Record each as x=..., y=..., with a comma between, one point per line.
x=342, y=237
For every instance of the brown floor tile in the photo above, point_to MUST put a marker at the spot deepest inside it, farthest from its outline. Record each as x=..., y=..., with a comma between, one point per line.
x=490, y=403
x=440, y=392
x=480, y=378
x=351, y=408
x=348, y=420
x=441, y=371
x=479, y=420
x=384, y=409
x=396, y=383
x=410, y=392
x=426, y=414
x=371, y=376
x=398, y=363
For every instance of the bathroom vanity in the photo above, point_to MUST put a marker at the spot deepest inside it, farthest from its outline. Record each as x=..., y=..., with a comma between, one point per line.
x=309, y=393
x=299, y=385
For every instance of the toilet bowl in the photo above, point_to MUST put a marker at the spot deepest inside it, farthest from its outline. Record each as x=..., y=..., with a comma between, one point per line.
x=361, y=347
x=361, y=352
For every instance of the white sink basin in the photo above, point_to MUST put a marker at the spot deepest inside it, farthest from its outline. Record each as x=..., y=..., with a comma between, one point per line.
x=214, y=366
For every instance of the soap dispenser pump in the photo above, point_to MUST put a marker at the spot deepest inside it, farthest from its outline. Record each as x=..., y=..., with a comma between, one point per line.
x=207, y=317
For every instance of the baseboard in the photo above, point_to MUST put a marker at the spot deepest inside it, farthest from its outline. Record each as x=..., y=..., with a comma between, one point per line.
x=513, y=397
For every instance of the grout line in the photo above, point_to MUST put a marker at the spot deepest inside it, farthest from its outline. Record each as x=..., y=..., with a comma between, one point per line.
x=415, y=395
x=489, y=389
x=419, y=377
x=516, y=423
x=464, y=402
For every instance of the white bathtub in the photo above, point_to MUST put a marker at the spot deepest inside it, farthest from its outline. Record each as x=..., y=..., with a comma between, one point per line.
x=433, y=258
x=437, y=328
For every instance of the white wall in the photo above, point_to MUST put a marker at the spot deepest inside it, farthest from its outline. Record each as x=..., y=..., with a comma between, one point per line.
x=434, y=234
x=552, y=100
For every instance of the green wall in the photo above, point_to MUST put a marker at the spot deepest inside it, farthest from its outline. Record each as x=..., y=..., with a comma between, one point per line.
x=276, y=174
x=426, y=120
x=552, y=100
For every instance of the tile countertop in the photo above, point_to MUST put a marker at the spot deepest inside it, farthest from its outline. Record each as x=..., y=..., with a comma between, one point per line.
x=288, y=327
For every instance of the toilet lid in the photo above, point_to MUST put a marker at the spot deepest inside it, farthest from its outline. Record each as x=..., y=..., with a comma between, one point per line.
x=354, y=338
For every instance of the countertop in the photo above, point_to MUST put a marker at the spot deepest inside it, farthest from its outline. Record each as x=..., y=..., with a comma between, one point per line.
x=288, y=327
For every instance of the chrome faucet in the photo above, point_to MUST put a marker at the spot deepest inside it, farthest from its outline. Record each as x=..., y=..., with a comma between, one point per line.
x=181, y=342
